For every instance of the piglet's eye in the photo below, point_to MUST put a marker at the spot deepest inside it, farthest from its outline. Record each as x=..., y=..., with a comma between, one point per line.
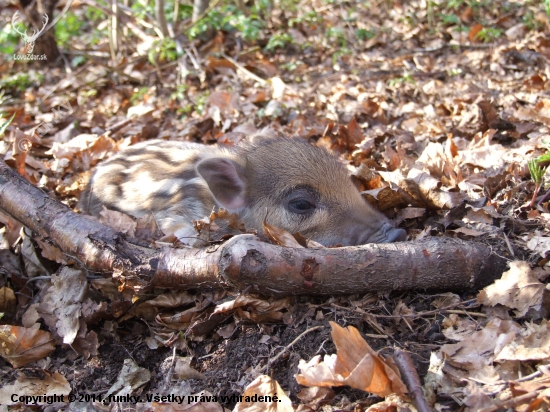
x=300, y=206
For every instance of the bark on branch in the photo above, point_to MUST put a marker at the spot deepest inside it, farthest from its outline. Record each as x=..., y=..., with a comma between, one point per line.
x=243, y=261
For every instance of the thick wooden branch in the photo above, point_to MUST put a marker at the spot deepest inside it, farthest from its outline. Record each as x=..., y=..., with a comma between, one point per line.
x=245, y=261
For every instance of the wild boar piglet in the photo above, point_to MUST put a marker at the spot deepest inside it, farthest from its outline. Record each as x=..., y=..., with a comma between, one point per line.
x=302, y=188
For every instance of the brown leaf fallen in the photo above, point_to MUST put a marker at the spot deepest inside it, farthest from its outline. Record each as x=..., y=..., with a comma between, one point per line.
x=355, y=365
x=21, y=346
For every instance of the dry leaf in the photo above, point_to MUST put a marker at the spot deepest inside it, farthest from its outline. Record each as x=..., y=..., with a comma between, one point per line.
x=21, y=346
x=86, y=343
x=355, y=365
x=55, y=384
x=540, y=244
x=254, y=397
x=478, y=350
x=255, y=309
x=130, y=378
x=409, y=213
x=533, y=343
x=227, y=331
x=457, y=328
x=518, y=289
x=533, y=385
x=280, y=236
x=183, y=369
x=278, y=87
x=7, y=300
x=426, y=189
x=316, y=396
x=62, y=301
x=119, y=221
x=51, y=252
x=91, y=146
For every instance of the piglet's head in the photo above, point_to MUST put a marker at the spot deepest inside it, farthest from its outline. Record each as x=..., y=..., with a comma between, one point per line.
x=302, y=187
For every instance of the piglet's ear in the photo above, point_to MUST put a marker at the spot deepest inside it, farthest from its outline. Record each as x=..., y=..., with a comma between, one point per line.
x=225, y=179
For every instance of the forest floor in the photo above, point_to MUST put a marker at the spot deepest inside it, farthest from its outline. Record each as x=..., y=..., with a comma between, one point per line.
x=437, y=109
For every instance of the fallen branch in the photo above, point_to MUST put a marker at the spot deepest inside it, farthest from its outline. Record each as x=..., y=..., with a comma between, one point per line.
x=245, y=261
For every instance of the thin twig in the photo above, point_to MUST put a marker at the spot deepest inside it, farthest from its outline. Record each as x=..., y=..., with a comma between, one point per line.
x=506, y=383
x=245, y=71
x=511, y=403
x=463, y=312
x=508, y=244
x=544, y=197
x=58, y=17
x=287, y=347
x=168, y=377
x=415, y=315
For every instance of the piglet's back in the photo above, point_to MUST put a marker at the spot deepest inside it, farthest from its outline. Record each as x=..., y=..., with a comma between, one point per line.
x=157, y=177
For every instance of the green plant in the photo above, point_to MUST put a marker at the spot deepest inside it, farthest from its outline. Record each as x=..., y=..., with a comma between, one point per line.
x=454, y=71
x=537, y=174
x=311, y=18
x=3, y=98
x=94, y=20
x=455, y=4
x=18, y=81
x=488, y=34
x=163, y=50
x=547, y=6
x=290, y=5
x=229, y=18
x=248, y=26
x=8, y=40
x=279, y=40
x=185, y=11
x=184, y=110
x=260, y=6
x=461, y=29
x=138, y=95
x=69, y=26
x=179, y=94
x=406, y=78
x=93, y=14
x=78, y=60
x=537, y=169
x=200, y=103
x=450, y=19
x=337, y=34
x=142, y=8
x=364, y=34
x=530, y=21
x=291, y=65
x=4, y=126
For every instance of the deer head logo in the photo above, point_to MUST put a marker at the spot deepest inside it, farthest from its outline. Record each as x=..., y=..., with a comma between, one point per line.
x=28, y=39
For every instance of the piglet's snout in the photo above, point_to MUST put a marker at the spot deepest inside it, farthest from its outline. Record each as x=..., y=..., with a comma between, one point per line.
x=385, y=234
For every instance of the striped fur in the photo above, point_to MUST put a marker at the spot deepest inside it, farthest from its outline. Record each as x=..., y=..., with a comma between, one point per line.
x=179, y=182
